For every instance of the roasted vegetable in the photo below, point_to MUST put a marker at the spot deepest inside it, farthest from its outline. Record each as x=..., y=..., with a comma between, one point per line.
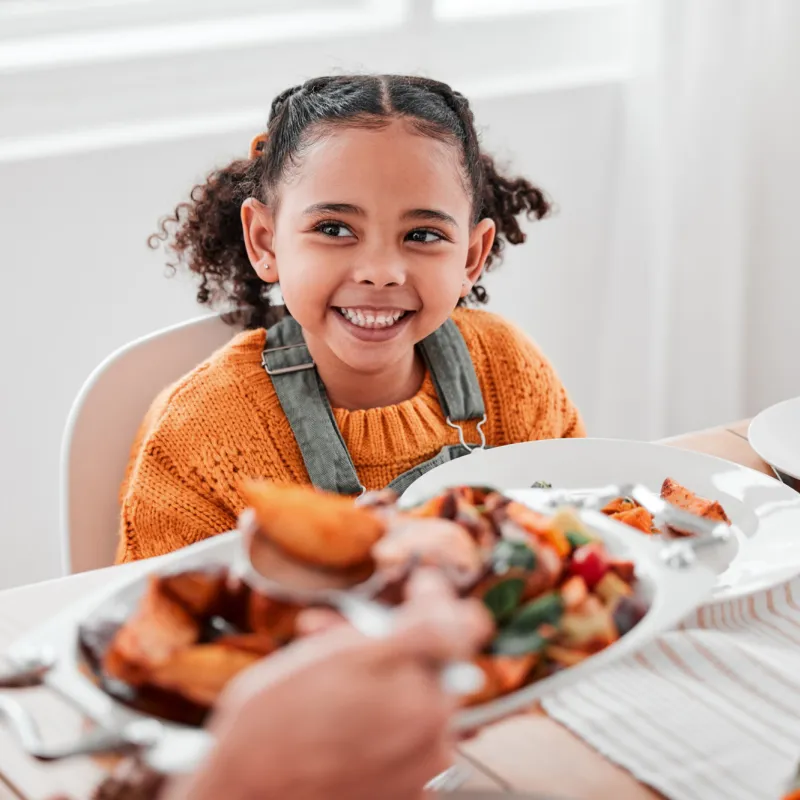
x=199, y=592
x=680, y=496
x=502, y=599
x=611, y=587
x=577, y=539
x=590, y=627
x=201, y=672
x=590, y=562
x=158, y=629
x=540, y=526
x=574, y=591
x=314, y=527
x=638, y=517
x=523, y=633
x=273, y=617
x=508, y=555
x=556, y=594
x=620, y=505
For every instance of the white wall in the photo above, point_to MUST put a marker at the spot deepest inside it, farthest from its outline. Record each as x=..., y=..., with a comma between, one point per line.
x=92, y=153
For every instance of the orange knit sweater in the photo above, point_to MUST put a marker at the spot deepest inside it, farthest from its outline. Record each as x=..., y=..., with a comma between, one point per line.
x=223, y=422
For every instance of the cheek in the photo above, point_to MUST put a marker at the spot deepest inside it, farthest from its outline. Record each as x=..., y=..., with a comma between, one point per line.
x=440, y=283
x=306, y=278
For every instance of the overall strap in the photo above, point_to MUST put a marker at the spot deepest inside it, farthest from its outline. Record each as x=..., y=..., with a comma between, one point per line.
x=453, y=374
x=304, y=401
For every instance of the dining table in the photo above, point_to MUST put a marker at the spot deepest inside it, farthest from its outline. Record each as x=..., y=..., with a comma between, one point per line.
x=524, y=753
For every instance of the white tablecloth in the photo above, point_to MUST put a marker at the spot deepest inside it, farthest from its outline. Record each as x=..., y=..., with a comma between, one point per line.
x=710, y=711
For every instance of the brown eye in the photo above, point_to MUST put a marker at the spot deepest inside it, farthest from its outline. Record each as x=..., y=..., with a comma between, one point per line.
x=335, y=230
x=424, y=236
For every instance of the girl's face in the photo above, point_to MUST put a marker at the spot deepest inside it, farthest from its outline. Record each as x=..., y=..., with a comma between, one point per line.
x=371, y=241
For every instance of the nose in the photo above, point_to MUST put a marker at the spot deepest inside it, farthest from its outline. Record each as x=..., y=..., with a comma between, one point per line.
x=382, y=271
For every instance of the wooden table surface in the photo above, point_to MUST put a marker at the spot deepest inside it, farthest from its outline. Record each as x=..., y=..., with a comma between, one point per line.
x=529, y=752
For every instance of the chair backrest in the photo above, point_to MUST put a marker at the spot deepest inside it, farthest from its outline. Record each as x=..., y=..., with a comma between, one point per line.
x=102, y=425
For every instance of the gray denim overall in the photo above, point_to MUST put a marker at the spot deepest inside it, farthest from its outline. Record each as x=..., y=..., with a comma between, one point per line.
x=305, y=403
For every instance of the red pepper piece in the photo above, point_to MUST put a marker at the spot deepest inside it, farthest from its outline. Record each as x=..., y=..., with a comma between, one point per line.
x=590, y=561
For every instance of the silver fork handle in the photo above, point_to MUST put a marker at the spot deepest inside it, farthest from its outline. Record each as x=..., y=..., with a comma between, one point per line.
x=98, y=740
x=460, y=678
x=29, y=672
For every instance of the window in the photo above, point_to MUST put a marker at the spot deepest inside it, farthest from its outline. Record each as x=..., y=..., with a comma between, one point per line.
x=77, y=73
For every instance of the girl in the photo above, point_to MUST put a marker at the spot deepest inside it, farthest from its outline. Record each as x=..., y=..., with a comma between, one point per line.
x=369, y=201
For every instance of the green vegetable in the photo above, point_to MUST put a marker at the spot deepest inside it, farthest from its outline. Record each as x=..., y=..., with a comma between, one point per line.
x=522, y=634
x=509, y=554
x=503, y=598
x=514, y=643
x=577, y=539
x=541, y=485
x=549, y=608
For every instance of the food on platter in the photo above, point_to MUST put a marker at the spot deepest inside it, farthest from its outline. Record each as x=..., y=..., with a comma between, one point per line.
x=682, y=497
x=633, y=514
x=310, y=527
x=556, y=593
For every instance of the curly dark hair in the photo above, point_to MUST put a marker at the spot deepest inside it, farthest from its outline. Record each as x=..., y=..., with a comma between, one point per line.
x=205, y=233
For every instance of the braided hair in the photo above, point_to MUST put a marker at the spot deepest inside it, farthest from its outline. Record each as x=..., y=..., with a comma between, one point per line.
x=205, y=233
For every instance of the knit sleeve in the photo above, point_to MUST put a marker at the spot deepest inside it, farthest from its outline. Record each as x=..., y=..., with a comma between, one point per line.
x=560, y=418
x=163, y=511
x=525, y=398
x=552, y=414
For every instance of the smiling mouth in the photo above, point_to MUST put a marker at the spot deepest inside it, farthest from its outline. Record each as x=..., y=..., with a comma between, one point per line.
x=373, y=319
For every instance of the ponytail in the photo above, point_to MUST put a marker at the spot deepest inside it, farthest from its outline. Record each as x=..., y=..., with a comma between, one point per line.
x=505, y=200
x=206, y=237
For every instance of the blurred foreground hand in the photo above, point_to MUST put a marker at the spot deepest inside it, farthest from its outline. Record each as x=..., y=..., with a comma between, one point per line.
x=338, y=716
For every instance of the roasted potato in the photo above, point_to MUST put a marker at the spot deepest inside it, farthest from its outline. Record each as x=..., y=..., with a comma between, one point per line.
x=158, y=628
x=201, y=672
x=680, y=496
x=315, y=527
x=199, y=592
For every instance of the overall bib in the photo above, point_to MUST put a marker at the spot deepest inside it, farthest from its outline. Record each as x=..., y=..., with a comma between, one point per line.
x=304, y=401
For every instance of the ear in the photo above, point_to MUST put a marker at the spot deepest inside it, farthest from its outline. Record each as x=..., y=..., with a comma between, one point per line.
x=258, y=226
x=481, y=240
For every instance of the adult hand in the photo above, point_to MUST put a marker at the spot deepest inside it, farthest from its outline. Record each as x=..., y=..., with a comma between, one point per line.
x=336, y=715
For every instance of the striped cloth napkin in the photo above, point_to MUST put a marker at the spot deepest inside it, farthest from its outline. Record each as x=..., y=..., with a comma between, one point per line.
x=708, y=711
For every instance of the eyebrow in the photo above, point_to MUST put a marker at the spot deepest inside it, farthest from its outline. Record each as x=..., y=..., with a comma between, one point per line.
x=334, y=208
x=349, y=208
x=430, y=213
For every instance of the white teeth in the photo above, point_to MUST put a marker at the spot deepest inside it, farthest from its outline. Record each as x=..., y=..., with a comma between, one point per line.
x=371, y=319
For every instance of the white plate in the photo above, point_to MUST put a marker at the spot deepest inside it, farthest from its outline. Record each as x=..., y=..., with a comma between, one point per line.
x=775, y=435
x=765, y=513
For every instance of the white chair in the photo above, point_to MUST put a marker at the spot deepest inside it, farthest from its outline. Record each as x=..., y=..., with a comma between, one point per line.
x=102, y=425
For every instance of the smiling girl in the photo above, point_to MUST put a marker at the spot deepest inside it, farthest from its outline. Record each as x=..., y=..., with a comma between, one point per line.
x=369, y=202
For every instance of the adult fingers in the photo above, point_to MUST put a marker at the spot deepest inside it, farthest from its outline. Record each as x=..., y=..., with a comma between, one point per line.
x=318, y=620
x=436, y=626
